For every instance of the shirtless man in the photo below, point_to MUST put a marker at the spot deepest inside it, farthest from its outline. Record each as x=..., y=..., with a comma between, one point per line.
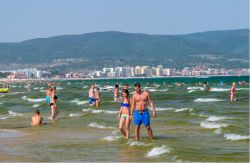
x=97, y=97
x=116, y=93
x=36, y=119
x=139, y=109
x=92, y=99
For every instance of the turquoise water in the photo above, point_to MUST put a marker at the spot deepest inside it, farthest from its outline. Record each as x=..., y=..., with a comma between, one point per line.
x=191, y=125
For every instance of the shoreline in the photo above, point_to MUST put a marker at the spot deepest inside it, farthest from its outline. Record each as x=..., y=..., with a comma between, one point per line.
x=120, y=78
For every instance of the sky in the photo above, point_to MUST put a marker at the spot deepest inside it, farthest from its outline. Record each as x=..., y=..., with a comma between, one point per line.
x=26, y=19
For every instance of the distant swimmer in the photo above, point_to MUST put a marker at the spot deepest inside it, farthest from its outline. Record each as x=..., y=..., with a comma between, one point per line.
x=47, y=95
x=139, y=110
x=126, y=86
x=116, y=93
x=206, y=87
x=53, y=106
x=124, y=114
x=36, y=119
x=92, y=99
x=232, y=92
x=97, y=97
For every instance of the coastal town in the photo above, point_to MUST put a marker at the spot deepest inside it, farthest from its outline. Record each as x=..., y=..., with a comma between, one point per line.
x=125, y=72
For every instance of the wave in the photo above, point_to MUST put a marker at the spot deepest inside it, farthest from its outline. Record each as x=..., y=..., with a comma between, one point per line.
x=1, y=103
x=75, y=114
x=3, y=117
x=33, y=100
x=95, y=125
x=207, y=100
x=195, y=88
x=2, y=95
x=199, y=115
x=96, y=111
x=87, y=110
x=36, y=105
x=211, y=125
x=236, y=137
x=137, y=143
x=156, y=151
x=42, y=90
x=218, y=131
x=85, y=87
x=219, y=89
x=59, y=88
x=216, y=118
x=244, y=89
x=190, y=91
x=8, y=133
x=78, y=102
x=14, y=114
x=163, y=109
x=183, y=109
x=111, y=112
x=111, y=138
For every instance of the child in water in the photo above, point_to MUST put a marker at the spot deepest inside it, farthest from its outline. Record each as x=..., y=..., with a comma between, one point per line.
x=124, y=114
x=232, y=92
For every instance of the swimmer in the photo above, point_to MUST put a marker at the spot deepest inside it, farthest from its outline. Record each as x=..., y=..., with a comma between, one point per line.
x=232, y=92
x=92, y=99
x=97, y=97
x=53, y=106
x=36, y=119
x=139, y=110
x=47, y=95
x=116, y=93
x=124, y=114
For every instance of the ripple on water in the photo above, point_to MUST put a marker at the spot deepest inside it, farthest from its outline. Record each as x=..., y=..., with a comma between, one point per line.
x=8, y=133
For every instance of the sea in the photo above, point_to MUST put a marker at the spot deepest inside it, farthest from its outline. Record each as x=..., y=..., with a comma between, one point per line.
x=192, y=125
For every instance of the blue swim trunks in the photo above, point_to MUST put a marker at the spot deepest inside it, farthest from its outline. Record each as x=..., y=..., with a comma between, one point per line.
x=141, y=117
x=92, y=100
x=47, y=98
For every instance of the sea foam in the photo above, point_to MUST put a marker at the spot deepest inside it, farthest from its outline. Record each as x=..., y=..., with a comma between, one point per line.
x=236, y=137
x=156, y=151
x=207, y=100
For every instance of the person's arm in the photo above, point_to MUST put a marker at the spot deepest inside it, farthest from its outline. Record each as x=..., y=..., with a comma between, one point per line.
x=152, y=104
x=120, y=113
x=132, y=108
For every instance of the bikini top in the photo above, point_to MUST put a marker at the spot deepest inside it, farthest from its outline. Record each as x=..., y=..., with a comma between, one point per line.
x=123, y=104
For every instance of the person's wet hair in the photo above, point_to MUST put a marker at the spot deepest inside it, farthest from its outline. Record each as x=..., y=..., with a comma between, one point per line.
x=125, y=91
x=116, y=86
x=137, y=85
x=37, y=112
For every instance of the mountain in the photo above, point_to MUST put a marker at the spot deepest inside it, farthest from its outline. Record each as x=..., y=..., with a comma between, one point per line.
x=95, y=50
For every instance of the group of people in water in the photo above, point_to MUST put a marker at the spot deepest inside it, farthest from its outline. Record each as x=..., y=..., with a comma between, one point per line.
x=135, y=108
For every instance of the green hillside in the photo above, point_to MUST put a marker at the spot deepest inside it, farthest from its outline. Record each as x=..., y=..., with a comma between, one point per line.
x=99, y=49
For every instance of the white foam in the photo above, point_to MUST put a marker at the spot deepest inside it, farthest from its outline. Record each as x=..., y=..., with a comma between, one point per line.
x=2, y=95
x=87, y=110
x=245, y=89
x=183, y=109
x=42, y=90
x=137, y=143
x=199, y=115
x=156, y=151
x=95, y=125
x=3, y=117
x=207, y=100
x=85, y=87
x=218, y=131
x=59, y=88
x=152, y=90
x=111, y=112
x=195, y=88
x=1, y=103
x=163, y=109
x=216, y=118
x=190, y=91
x=36, y=105
x=211, y=125
x=111, y=138
x=36, y=88
x=219, y=89
x=96, y=111
x=75, y=114
x=236, y=137
x=78, y=102
x=33, y=100
x=14, y=114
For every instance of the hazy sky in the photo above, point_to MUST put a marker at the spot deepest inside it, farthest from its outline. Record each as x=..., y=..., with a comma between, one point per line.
x=26, y=19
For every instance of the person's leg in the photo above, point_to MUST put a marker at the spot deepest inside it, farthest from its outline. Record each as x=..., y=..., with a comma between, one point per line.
x=121, y=124
x=150, y=132
x=52, y=111
x=127, y=127
x=146, y=122
x=137, y=132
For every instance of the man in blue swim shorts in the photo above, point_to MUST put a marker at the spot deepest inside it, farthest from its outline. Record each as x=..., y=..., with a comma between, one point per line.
x=139, y=109
x=92, y=98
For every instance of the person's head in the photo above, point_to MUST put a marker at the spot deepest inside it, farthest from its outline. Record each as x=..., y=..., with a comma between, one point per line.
x=233, y=83
x=205, y=82
x=126, y=86
x=37, y=112
x=125, y=93
x=116, y=86
x=92, y=86
x=137, y=87
x=97, y=89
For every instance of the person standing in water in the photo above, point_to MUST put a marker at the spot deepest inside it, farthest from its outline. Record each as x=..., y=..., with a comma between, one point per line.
x=36, y=119
x=97, y=97
x=116, y=93
x=53, y=106
x=232, y=92
x=205, y=86
x=92, y=99
x=47, y=96
x=139, y=109
x=124, y=114
x=126, y=86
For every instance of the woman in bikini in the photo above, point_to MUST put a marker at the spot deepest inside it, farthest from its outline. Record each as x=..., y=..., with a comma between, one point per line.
x=124, y=114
